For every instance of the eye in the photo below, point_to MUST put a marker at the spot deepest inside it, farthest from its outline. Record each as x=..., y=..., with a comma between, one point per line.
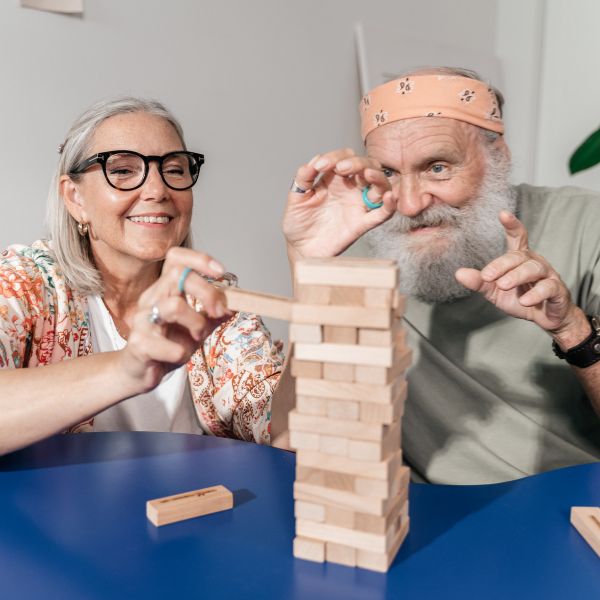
x=388, y=172
x=437, y=168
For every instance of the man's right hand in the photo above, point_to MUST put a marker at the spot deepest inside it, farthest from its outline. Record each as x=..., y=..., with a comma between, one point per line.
x=331, y=215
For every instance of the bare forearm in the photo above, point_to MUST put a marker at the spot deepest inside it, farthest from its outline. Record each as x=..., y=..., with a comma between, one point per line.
x=41, y=401
x=590, y=380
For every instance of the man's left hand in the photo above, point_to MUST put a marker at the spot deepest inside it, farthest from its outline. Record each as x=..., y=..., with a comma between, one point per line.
x=523, y=284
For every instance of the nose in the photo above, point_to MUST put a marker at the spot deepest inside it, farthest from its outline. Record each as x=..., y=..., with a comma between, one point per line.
x=154, y=187
x=412, y=199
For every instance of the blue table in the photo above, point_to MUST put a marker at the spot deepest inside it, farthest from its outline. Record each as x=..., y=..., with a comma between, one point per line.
x=73, y=525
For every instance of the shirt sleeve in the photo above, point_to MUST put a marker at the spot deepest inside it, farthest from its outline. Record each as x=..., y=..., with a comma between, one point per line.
x=243, y=366
x=21, y=292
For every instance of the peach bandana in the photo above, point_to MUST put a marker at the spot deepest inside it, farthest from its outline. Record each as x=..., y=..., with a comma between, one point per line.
x=450, y=96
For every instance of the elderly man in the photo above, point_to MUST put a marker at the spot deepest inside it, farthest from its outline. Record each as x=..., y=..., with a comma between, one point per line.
x=497, y=278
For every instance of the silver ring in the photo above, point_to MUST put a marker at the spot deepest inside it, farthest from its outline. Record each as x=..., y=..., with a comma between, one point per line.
x=296, y=189
x=154, y=316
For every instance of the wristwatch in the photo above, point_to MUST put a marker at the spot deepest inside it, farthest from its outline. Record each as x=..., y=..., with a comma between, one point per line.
x=587, y=352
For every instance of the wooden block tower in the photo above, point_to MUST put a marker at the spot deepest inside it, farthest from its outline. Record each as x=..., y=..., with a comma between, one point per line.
x=351, y=489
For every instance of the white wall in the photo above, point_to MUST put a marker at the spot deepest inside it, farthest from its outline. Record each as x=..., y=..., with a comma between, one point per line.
x=259, y=86
x=570, y=100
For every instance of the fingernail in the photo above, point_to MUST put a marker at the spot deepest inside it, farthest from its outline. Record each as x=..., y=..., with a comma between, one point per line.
x=344, y=165
x=321, y=164
x=219, y=309
x=313, y=159
x=216, y=266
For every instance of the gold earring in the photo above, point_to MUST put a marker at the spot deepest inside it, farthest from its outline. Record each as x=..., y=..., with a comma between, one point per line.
x=83, y=229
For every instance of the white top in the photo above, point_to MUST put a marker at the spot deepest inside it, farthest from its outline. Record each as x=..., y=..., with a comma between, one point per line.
x=168, y=407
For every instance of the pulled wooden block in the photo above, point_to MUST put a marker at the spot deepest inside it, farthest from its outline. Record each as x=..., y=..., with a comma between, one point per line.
x=266, y=305
x=586, y=519
x=188, y=505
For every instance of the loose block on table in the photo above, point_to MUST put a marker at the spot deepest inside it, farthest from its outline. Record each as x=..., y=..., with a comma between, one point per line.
x=187, y=505
x=586, y=519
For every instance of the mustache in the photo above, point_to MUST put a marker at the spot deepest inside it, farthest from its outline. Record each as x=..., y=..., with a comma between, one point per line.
x=436, y=215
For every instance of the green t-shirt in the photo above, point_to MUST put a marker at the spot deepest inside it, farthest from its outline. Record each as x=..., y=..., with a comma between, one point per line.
x=488, y=401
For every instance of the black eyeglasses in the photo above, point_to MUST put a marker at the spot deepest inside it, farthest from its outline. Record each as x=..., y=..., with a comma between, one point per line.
x=127, y=170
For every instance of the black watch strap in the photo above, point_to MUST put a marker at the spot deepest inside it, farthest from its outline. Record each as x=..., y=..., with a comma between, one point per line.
x=587, y=352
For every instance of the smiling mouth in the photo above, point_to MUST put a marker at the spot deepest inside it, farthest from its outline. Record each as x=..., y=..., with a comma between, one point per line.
x=163, y=220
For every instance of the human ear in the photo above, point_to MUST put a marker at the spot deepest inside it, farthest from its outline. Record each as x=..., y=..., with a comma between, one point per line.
x=69, y=192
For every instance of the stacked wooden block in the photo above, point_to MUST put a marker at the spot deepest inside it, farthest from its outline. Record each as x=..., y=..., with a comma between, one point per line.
x=351, y=489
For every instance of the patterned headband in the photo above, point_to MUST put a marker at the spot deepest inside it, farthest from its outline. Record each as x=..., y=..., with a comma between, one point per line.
x=450, y=96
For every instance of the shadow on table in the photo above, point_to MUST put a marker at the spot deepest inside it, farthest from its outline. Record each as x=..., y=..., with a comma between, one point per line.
x=98, y=447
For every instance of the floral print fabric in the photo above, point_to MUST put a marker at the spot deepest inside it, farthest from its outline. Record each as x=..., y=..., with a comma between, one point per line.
x=42, y=321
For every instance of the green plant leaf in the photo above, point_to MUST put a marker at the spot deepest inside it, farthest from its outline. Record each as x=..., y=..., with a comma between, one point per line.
x=587, y=155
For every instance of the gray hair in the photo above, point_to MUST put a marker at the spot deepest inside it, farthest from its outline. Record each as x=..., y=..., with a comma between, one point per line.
x=73, y=251
x=489, y=136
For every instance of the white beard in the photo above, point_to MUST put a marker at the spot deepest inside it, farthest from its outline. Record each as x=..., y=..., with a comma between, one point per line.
x=472, y=236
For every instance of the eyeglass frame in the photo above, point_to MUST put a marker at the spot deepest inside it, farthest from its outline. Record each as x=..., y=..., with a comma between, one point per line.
x=101, y=158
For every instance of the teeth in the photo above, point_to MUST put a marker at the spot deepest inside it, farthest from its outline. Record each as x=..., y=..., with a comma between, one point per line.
x=163, y=220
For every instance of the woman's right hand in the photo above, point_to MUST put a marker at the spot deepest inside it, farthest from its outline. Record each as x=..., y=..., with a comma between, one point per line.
x=155, y=349
x=331, y=215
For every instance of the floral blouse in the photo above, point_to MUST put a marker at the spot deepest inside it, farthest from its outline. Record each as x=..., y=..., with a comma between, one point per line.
x=43, y=321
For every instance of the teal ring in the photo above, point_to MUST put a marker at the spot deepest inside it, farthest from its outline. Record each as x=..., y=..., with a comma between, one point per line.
x=182, y=279
x=370, y=205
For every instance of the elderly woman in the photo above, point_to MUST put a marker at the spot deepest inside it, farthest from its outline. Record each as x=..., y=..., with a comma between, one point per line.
x=105, y=306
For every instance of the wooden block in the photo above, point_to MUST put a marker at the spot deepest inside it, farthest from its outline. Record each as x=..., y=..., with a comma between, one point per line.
x=376, y=451
x=348, y=316
x=349, y=296
x=361, y=392
x=378, y=297
x=383, y=489
x=340, y=335
x=396, y=336
x=308, y=549
x=372, y=542
x=301, y=440
x=399, y=304
x=308, y=475
x=338, y=498
x=586, y=519
x=338, y=372
x=383, y=375
x=309, y=511
x=330, y=444
x=276, y=307
x=311, y=334
x=355, y=430
x=341, y=517
x=381, y=524
x=339, y=554
x=309, y=405
x=306, y=368
x=384, y=470
x=313, y=294
x=339, y=481
x=381, y=413
x=344, y=410
x=345, y=353
x=347, y=272
x=188, y=505
x=381, y=561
